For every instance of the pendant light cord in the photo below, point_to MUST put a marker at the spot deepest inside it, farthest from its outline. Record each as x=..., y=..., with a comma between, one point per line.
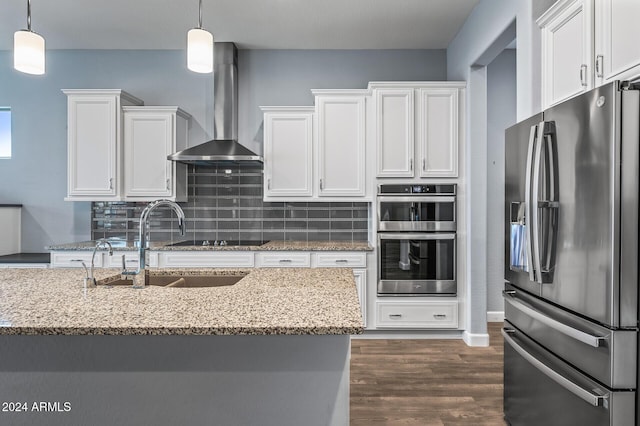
x=29, y=15
x=199, y=14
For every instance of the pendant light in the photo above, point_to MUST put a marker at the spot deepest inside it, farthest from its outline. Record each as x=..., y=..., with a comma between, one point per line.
x=200, y=47
x=28, y=49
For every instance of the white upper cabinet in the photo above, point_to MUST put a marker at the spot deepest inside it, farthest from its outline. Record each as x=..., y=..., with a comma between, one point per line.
x=567, y=50
x=319, y=152
x=341, y=143
x=150, y=134
x=94, y=143
x=617, y=34
x=417, y=128
x=438, y=136
x=288, y=152
x=395, y=136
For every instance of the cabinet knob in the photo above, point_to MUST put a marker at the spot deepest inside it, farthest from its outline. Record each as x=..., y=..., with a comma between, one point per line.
x=269, y=184
x=321, y=185
x=395, y=315
x=168, y=185
x=411, y=164
x=424, y=165
x=439, y=316
x=110, y=183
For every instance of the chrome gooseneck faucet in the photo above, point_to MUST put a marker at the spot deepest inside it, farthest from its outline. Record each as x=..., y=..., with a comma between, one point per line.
x=90, y=280
x=139, y=273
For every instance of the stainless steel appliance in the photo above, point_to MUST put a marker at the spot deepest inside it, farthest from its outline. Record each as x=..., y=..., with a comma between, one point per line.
x=416, y=207
x=571, y=262
x=416, y=240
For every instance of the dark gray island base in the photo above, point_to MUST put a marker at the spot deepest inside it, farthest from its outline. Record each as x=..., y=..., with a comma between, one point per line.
x=176, y=380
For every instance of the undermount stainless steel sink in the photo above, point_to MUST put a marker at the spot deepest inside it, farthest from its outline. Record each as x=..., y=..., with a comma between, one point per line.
x=182, y=281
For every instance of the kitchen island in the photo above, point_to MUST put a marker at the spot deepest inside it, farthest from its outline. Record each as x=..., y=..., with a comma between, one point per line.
x=272, y=349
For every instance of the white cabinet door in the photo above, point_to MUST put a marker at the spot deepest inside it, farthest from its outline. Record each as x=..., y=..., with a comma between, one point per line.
x=288, y=152
x=341, y=145
x=150, y=134
x=438, y=134
x=92, y=146
x=395, y=134
x=617, y=34
x=94, y=143
x=74, y=259
x=567, y=56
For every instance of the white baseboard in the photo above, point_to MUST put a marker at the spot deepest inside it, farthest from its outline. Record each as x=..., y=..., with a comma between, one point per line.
x=475, y=339
x=495, y=316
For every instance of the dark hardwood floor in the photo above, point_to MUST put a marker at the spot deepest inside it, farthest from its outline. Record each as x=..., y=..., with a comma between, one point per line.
x=426, y=382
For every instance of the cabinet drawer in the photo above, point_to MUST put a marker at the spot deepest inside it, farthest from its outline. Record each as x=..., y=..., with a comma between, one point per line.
x=74, y=259
x=341, y=260
x=130, y=259
x=284, y=260
x=178, y=259
x=432, y=314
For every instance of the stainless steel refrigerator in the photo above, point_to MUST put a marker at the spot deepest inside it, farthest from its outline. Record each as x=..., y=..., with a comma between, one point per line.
x=571, y=262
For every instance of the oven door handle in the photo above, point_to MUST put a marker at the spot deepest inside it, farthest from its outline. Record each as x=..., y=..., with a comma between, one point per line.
x=417, y=236
x=416, y=199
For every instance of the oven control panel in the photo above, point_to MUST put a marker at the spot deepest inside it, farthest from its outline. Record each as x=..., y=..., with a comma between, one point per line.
x=417, y=189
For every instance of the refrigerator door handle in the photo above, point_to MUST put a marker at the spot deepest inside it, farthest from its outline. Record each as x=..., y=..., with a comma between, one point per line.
x=585, y=395
x=574, y=333
x=528, y=200
x=534, y=217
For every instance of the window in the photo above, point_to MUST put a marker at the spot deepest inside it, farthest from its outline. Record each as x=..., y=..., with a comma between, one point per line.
x=5, y=132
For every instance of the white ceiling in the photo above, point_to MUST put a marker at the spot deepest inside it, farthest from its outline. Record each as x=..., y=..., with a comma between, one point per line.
x=251, y=24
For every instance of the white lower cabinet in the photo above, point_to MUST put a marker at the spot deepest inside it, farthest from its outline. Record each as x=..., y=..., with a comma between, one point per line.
x=337, y=260
x=202, y=259
x=416, y=314
x=24, y=266
x=283, y=260
x=74, y=259
x=131, y=259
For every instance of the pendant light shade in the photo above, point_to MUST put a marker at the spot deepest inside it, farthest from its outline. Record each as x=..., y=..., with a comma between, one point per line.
x=28, y=49
x=200, y=50
x=200, y=47
x=28, y=52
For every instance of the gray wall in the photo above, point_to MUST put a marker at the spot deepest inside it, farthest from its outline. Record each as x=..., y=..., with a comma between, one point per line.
x=477, y=43
x=36, y=175
x=501, y=113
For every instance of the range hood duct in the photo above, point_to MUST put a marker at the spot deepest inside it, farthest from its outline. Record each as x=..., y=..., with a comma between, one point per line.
x=224, y=147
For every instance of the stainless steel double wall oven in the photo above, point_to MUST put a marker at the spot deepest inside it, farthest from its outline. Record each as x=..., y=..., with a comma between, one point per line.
x=416, y=240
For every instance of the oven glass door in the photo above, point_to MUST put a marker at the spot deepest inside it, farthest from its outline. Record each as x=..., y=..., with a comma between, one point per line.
x=417, y=264
x=416, y=213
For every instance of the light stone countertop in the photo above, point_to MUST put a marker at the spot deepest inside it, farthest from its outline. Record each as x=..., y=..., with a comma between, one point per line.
x=267, y=301
x=269, y=246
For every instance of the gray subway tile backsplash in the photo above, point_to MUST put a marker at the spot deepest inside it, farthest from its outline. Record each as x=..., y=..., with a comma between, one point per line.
x=226, y=204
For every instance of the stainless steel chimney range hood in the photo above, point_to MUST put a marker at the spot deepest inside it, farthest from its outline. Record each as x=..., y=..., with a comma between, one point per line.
x=224, y=148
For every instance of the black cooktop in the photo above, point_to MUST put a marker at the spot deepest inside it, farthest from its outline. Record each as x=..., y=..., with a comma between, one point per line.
x=231, y=243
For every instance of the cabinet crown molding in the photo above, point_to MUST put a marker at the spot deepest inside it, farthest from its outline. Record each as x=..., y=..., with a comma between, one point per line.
x=287, y=108
x=116, y=92
x=557, y=8
x=416, y=84
x=339, y=92
x=154, y=108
